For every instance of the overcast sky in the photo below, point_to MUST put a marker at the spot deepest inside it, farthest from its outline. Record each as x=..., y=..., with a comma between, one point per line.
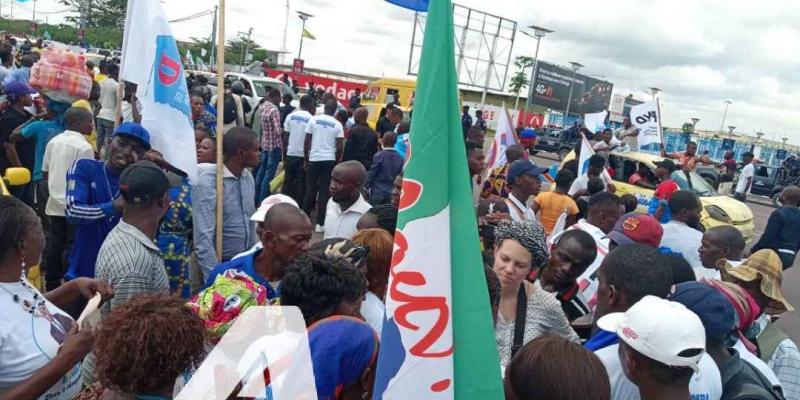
x=699, y=52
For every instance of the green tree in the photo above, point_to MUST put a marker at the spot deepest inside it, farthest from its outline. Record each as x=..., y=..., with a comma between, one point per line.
x=520, y=79
x=236, y=47
x=687, y=127
x=98, y=13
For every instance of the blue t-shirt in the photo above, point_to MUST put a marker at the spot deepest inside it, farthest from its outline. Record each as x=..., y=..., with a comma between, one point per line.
x=41, y=132
x=245, y=265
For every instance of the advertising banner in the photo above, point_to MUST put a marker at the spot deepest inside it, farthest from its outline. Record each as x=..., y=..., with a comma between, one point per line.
x=552, y=87
x=342, y=89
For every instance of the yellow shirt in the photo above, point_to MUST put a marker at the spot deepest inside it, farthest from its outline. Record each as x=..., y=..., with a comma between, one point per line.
x=551, y=205
x=83, y=103
x=100, y=77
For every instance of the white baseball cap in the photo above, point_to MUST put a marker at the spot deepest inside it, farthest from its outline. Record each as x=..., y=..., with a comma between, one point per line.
x=267, y=203
x=660, y=330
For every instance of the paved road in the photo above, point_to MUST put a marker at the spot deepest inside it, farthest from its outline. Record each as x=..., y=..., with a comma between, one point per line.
x=789, y=322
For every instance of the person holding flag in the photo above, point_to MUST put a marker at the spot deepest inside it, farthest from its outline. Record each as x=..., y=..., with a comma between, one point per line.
x=589, y=165
x=500, y=156
x=436, y=273
x=496, y=185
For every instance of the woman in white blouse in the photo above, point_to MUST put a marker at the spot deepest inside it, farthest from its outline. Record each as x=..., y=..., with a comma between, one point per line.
x=520, y=247
x=40, y=346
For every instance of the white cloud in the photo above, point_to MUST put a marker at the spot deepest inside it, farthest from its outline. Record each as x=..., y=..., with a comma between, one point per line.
x=699, y=52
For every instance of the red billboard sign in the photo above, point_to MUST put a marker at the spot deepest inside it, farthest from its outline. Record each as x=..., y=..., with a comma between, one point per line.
x=342, y=89
x=297, y=65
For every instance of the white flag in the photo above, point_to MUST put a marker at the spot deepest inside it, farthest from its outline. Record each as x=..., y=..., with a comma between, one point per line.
x=596, y=121
x=152, y=61
x=202, y=52
x=646, y=117
x=583, y=162
x=503, y=138
x=189, y=57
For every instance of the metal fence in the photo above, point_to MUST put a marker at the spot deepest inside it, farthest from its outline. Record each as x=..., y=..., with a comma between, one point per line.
x=676, y=141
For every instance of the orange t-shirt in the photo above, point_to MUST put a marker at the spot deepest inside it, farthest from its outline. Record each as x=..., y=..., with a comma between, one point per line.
x=551, y=205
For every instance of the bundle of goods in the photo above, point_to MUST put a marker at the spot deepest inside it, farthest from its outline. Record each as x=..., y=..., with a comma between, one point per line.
x=61, y=75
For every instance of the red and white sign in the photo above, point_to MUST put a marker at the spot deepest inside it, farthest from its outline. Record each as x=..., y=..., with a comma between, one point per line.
x=342, y=89
x=518, y=118
x=297, y=65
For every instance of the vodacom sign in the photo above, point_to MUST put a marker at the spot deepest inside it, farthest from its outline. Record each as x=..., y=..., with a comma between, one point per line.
x=342, y=89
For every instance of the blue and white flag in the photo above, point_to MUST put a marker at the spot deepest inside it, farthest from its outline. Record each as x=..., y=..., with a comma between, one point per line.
x=416, y=5
x=596, y=121
x=152, y=61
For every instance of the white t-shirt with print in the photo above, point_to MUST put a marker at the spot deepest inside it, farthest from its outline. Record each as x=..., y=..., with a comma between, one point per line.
x=296, y=124
x=30, y=340
x=747, y=172
x=705, y=384
x=324, y=131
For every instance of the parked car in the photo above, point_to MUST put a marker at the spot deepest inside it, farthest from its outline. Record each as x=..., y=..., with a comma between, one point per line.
x=255, y=87
x=769, y=182
x=717, y=209
x=557, y=141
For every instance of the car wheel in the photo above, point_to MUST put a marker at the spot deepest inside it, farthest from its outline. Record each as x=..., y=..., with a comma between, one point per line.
x=711, y=181
x=776, y=200
x=562, y=154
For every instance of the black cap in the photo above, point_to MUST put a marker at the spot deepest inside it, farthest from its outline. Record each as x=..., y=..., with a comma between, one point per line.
x=144, y=181
x=667, y=164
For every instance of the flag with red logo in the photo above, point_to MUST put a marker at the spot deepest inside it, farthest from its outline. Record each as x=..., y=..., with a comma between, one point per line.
x=504, y=137
x=151, y=60
x=438, y=336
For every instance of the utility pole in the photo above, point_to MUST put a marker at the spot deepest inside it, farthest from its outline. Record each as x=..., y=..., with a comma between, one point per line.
x=214, y=37
x=246, y=45
x=34, y=12
x=303, y=16
x=285, y=35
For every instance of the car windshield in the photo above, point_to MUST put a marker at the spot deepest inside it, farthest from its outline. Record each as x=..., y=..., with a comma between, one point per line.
x=263, y=86
x=699, y=185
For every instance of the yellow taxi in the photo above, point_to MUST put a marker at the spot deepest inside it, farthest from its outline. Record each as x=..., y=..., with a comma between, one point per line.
x=717, y=209
x=19, y=177
x=386, y=90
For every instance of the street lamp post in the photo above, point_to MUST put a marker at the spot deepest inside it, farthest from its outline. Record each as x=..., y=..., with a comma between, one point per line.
x=538, y=34
x=725, y=115
x=695, y=120
x=654, y=91
x=784, y=140
x=303, y=16
x=575, y=67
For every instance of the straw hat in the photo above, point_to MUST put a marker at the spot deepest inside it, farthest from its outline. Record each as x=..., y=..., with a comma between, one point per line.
x=767, y=265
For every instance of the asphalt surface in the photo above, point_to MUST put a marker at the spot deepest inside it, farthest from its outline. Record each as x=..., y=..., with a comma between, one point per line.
x=761, y=208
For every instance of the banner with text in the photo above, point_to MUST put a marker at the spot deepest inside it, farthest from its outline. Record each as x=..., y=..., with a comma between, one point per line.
x=646, y=117
x=552, y=89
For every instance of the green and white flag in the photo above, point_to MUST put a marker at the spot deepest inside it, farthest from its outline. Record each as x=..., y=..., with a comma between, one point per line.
x=438, y=336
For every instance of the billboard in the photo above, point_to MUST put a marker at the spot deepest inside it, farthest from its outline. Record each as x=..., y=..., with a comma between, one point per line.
x=342, y=89
x=552, y=86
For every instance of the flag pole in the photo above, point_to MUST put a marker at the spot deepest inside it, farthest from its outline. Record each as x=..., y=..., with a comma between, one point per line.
x=660, y=130
x=220, y=122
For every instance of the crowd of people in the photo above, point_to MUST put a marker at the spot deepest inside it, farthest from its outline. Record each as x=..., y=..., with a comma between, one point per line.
x=627, y=305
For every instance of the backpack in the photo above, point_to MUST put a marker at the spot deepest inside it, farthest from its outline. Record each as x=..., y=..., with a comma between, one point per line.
x=229, y=109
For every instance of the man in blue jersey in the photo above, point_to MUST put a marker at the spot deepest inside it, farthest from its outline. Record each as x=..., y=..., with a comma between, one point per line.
x=94, y=205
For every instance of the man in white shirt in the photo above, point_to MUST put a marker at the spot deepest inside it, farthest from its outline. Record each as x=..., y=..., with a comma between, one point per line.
x=745, y=177
x=59, y=156
x=523, y=179
x=323, y=147
x=628, y=274
x=680, y=236
x=346, y=205
x=109, y=88
x=606, y=143
x=580, y=185
x=603, y=212
x=294, y=179
x=720, y=243
x=628, y=134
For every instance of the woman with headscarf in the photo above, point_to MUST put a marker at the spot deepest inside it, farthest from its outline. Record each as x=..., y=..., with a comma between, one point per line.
x=344, y=351
x=379, y=258
x=526, y=311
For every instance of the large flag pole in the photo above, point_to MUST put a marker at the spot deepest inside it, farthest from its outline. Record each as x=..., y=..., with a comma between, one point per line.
x=220, y=121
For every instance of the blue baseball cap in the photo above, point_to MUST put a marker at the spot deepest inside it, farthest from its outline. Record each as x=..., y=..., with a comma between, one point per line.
x=524, y=167
x=17, y=88
x=134, y=131
x=714, y=310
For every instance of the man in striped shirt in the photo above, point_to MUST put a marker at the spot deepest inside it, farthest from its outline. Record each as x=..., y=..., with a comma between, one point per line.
x=129, y=259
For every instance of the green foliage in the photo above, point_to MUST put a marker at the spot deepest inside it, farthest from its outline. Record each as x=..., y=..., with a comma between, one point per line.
x=520, y=79
x=687, y=127
x=105, y=37
x=101, y=13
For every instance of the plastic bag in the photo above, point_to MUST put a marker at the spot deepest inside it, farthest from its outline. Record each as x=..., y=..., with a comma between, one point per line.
x=61, y=75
